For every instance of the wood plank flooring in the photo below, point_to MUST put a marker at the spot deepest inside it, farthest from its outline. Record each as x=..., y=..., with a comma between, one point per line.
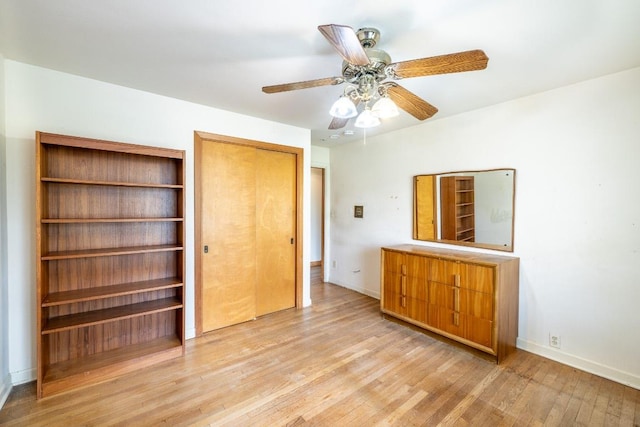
x=337, y=363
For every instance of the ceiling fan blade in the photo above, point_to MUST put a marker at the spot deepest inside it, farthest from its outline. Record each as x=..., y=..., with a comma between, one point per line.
x=346, y=42
x=337, y=123
x=452, y=63
x=303, y=85
x=409, y=102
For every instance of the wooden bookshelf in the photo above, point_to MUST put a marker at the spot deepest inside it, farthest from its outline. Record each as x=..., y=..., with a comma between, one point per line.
x=457, y=207
x=110, y=259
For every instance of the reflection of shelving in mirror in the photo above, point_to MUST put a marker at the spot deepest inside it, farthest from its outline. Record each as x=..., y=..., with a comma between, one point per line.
x=488, y=209
x=457, y=207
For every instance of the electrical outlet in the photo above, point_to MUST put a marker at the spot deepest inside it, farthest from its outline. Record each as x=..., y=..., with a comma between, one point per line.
x=554, y=340
x=334, y=264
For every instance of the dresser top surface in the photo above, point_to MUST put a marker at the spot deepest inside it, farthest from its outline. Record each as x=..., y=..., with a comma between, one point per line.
x=451, y=254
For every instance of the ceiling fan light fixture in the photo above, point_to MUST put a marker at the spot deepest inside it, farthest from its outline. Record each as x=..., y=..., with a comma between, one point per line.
x=343, y=108
x=367, y=119
x=368, y=71
x=385, y=108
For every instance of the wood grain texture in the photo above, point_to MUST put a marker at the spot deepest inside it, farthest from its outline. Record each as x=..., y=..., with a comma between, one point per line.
x=109, y=183
x=457, y=203
x=410, y=102
x=99, y=292
x=424, y=223
x=229, y=230
x=337, y=123
x=336, y=363
x=109, y=249
x=73, y=201
x=285, y=87
x=469, y=298
x=450, y=63
x=346, y=43
x=68, y=375
x=275, y=231
x=108, y=146
x=206, y=207
x=94, y=317
x=89, y=253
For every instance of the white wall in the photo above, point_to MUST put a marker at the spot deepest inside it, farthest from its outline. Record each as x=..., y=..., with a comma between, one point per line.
x=5, y=380
x=41, y=99
x=577, y=217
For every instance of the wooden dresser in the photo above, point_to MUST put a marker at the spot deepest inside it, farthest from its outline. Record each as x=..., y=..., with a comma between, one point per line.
x=469, y=297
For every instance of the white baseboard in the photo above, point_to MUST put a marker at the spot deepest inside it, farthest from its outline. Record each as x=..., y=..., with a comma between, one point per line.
x=22, y=377
x=372, y=294
x=5, y=389
x=595, y=368
x=190, y=333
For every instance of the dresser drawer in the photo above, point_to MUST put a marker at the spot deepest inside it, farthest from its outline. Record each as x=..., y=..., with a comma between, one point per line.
x=455, y=273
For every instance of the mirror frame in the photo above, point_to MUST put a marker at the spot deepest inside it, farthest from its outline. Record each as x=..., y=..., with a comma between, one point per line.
x=504, y=248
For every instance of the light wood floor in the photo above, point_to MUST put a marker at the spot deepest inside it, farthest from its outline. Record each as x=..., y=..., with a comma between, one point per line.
x=337, y=363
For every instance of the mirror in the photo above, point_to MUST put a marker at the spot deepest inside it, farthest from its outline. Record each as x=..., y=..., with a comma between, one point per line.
x=471, y=208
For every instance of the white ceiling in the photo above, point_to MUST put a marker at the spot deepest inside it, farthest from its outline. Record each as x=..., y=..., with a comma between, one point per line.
x=220, y=53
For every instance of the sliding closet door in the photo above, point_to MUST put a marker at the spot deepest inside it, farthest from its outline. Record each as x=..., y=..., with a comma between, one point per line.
x=247, y=223
x=275, y=231
x=228, y=195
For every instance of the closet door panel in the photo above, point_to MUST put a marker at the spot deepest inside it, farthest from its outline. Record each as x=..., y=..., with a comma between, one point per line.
x=275, y=231
x=229, y=232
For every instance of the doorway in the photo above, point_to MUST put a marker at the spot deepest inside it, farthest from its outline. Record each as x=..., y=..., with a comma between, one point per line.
x=317, y=217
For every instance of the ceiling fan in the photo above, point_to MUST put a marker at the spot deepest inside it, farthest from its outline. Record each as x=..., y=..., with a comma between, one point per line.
x=370, y=75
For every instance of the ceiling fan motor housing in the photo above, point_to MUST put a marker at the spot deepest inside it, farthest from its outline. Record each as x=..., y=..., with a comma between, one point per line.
x=378, y=60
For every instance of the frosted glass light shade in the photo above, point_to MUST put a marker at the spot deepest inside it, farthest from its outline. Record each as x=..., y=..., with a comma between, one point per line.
x=385, y=108
x=367, y=119
x=343, y=108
